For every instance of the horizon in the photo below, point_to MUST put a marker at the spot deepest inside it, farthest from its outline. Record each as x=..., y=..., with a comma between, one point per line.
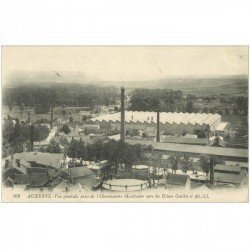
x=34, y=78
x=87, y=64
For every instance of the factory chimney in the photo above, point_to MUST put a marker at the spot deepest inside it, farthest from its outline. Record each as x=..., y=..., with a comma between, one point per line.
x=158, y=126
x=31, y=137
x=51, y=116
x=52, y=108
x=122, y=115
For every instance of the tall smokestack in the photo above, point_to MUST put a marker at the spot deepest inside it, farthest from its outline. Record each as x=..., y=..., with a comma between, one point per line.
x=52, y=108
x=51, y=116
x=158, y=126
x=122, y=115
x=31, y=137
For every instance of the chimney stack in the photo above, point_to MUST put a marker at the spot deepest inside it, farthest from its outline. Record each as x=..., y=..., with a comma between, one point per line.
x=52, y=108
x=31, y=137
x=122, y=115
x=51, y=116
x=158, y=126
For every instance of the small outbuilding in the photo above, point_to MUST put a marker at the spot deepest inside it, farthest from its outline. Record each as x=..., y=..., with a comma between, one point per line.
x=178, y=181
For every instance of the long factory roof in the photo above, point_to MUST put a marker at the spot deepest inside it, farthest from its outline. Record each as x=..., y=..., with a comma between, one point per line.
x=197, y=149
x=165, y=117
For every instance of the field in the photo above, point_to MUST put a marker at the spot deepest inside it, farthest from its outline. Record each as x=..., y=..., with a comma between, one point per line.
x=235, y=86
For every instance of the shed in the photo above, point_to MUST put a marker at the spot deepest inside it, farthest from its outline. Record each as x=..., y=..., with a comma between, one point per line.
x=178, y=181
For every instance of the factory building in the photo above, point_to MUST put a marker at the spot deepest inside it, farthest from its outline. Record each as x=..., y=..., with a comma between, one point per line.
x=169, y=123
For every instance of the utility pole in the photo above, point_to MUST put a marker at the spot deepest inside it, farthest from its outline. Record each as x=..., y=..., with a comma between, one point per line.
x=158, y=126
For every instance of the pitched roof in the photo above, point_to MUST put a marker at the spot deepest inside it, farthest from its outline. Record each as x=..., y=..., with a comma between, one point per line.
x=220, y=167
x=227, y=177
x=35, y=180
x=80, y=171
x=89, y=182
x=177, y=179
x=39, y=179
x=165, y=117
x=21, y=179
x=46, y=159
x=197, y=149
x=74, y=124
x=24, y=165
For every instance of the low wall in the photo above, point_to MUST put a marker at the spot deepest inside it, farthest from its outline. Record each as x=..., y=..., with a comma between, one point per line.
x=123, y=187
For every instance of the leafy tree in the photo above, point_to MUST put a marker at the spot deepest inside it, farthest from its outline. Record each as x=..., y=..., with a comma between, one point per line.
x=53, y=147
x=187, y=163
x=72, y=150
x=155, y=160
x=65, y=129
x=242, y=103
x=114, y=152
x=200, y=133
x=174, y=159
x=86, y=118
x=190, y=107
x=6, y=148
x=205, y=110
x=63, y=95
x=227, y=111
x=153, y=99
x=204, y=163
x=42, y=120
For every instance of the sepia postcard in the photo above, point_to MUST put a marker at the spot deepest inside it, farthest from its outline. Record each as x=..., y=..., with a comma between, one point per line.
x=125, y=124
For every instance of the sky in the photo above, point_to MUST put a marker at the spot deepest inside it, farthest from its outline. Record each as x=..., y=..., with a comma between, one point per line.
x=120, y=63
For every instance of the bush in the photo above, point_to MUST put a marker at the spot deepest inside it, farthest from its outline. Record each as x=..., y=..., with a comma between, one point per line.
x=65, y=129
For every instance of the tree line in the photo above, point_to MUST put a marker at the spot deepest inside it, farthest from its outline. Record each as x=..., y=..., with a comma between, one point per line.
x=64, y=95
x=117, y=153
x=15, y=135
x=153, y=99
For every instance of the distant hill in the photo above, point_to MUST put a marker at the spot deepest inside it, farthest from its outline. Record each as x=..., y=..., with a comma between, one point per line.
x=234, y=85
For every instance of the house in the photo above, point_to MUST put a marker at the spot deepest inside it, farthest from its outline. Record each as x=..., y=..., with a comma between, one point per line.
x=178, y=181
x=82, y=175
x=40, y=159
x=140, y=171
x=34, y=169
x=18, y=172
x=101, y=169
x=91, y=128
x=13, y=167
x=226, y=174
x=34, y=180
